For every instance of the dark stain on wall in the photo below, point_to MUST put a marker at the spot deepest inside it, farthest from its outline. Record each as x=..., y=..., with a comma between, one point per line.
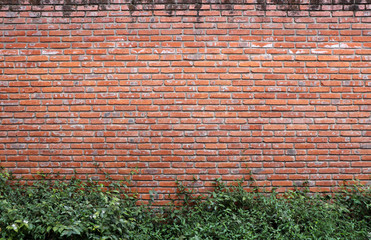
x=71, y=5
x=171, y=6
x=287, y=5
x=68, y=6
x=351, y=5
x=132, y=6
x=262, y=5
x=315, y=4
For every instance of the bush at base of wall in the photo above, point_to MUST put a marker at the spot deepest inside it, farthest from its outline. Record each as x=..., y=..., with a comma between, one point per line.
x=87, y=210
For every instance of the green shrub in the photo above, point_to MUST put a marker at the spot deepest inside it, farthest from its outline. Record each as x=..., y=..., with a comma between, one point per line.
x=233, y=213
x=71, y=209
x=75, y=209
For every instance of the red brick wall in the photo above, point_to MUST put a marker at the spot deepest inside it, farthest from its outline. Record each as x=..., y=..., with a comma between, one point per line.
x=187, y=90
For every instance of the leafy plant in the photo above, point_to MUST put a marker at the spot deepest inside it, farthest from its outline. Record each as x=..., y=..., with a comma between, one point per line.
x=76, y=209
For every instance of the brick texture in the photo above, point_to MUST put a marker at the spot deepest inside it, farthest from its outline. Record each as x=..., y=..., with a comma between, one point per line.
x=188, y=90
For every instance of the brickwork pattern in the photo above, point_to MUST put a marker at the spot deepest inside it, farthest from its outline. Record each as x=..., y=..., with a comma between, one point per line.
x=187, y=91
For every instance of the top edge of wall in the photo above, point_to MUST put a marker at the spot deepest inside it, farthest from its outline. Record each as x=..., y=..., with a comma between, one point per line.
x=67, y=8
x=334, y=5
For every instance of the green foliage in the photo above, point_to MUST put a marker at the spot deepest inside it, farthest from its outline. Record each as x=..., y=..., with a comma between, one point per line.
x=356, y=201
x=233, y=213
x=75, y=209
